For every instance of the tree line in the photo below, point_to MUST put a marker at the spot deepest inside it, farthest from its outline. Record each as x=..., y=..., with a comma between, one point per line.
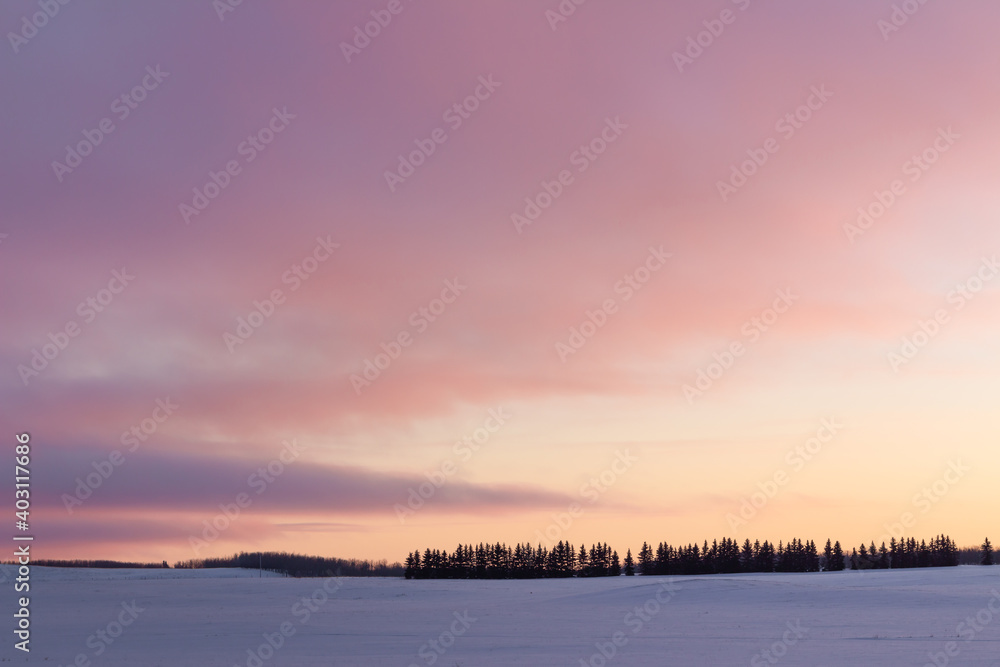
x=297, y=565
x=97, y=564
x=524, y=561
x=941, y=552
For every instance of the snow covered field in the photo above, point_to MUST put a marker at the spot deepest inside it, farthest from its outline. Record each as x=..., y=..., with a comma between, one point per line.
x=214, y=617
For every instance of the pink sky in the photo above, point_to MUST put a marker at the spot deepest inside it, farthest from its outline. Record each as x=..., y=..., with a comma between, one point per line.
x=879, y=100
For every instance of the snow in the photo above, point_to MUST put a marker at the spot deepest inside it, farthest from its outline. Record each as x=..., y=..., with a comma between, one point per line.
x=213, y=617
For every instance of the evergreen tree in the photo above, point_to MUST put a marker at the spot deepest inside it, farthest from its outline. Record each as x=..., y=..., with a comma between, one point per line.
x=765, y=560
x=812, y=558
x=924, y=555
x=987, y=558
x=408, y=572
x=662, y=565
x=596, y=562
x=645, y=560
x=522, y=561
x=746, y=556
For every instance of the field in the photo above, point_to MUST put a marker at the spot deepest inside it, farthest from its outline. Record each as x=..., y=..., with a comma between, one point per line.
x=221, y=617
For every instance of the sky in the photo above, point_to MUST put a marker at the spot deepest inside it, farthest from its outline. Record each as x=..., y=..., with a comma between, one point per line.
x=363, y=278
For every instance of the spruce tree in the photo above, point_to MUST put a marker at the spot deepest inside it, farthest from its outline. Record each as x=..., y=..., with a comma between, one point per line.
x=629, y=564
x=645, y=560
x=812, y=558
x=746, y=556
x=987, y=558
